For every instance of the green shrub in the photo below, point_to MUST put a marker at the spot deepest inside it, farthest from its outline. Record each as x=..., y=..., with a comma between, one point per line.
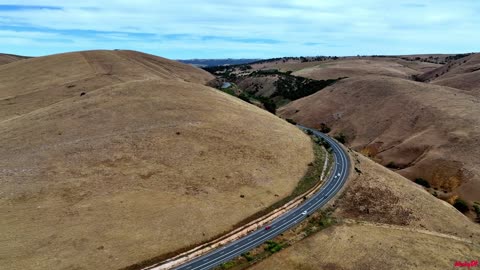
x=247, y=256
x=244, y=97
x=270, y=106
x=476, y=207
x=341, y=138
x=461, y=205
x=422, y=182
x=324, y=128
x=227, y=265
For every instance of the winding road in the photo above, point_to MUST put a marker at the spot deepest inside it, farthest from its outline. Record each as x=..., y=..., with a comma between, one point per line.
x=286, y=221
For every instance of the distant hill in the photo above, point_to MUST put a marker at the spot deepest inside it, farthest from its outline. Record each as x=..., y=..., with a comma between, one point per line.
x=217, y=62
x=9, y=58
x=420, y=130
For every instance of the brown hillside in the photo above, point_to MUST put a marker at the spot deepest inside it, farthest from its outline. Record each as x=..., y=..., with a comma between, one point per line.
x=422, y=130
x=9, y=58
x=354, y=66
x=131, y=170
x=384, y=222
x=25, y=85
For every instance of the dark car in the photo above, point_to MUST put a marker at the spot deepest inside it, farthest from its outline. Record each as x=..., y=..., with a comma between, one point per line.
x=268, y=228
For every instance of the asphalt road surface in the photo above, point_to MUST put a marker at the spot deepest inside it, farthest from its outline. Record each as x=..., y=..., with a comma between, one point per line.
x=288, y=220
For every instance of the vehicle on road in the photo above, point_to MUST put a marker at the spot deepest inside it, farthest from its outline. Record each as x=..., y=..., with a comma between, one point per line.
x=304, y=213
x=268, y=228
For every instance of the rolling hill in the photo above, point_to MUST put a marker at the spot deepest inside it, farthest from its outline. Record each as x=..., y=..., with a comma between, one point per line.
x=109, y=158
x=384, y=221
x=462, y=73
x=362, y=67
x=217, y=62
x=420, y=130
x=9, y=58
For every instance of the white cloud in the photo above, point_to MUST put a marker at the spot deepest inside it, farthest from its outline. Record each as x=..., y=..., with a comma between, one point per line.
x=345, y=26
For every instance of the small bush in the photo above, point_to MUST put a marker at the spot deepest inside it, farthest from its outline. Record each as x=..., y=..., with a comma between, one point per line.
x=247, y=256
x=476, y=207
x=273, y=247
x=422, y=182
x=291, y=121
x=324, y=128
x=341, y=138
x=227, y=265
x=244, y=97
x=269, y=105
x=461, y=205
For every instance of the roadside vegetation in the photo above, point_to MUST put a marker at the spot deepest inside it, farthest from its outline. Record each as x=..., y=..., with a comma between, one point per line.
x=317, y=221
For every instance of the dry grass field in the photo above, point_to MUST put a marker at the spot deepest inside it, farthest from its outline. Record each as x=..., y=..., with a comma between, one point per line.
x=385, y=222
x=418, y=129
x=363, y=67
x=109, y=158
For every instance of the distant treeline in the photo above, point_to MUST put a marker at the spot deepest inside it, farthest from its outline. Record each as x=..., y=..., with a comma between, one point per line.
x=217, y=62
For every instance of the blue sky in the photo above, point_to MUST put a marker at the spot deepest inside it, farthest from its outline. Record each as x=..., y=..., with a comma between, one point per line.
x=240, y=29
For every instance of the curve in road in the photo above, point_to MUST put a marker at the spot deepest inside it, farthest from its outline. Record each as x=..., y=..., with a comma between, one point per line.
x=286, y=221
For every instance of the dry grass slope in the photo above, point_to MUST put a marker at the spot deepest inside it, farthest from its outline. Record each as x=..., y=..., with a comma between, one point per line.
x=386, y=222
x=463, y=74
x=32, y=84
x=9, y=58
x=146, y=162
x=424, y=130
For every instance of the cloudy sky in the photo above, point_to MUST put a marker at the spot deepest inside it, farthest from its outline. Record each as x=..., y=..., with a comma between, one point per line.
x=240, y=29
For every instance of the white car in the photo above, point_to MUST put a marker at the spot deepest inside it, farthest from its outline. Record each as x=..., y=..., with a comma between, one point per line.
x=304, y=213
